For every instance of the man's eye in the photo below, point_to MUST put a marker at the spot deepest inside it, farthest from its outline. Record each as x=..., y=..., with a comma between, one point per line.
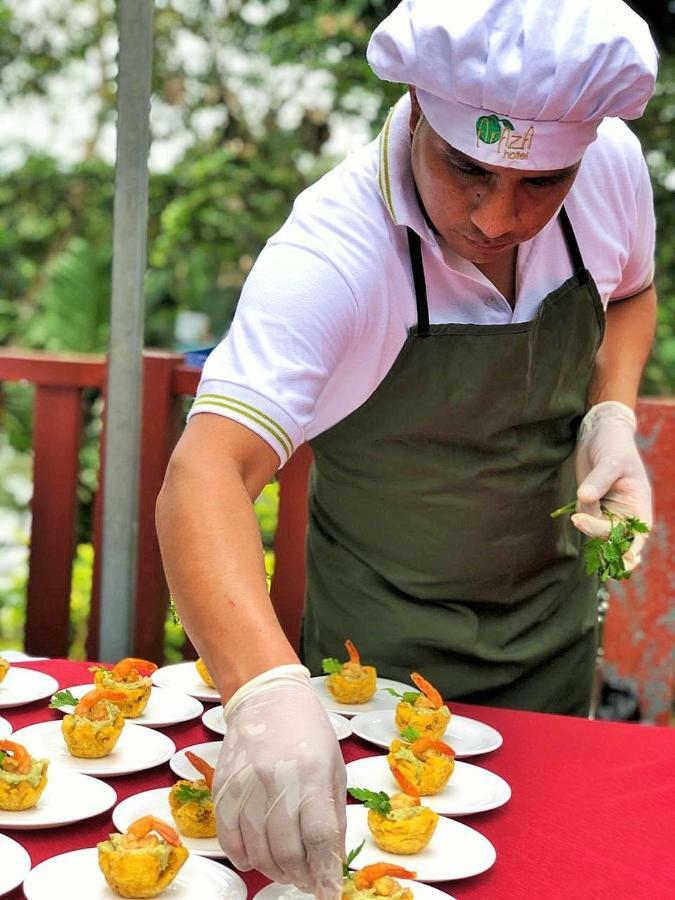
x=468, y=171
x=547, y=182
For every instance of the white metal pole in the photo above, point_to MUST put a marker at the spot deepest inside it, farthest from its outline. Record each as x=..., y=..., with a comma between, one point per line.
x=125, y=362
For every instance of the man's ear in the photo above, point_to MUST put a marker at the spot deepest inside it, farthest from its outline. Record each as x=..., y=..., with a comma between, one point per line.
x=415, y=109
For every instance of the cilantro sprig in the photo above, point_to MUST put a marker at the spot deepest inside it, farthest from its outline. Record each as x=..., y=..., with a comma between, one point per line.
x=379, y=801
x=331, y=666
x=187, y=793
x=351, y=856
x=63, y=698
x=410, y=734
x=605, y=555
x=3, y=754
x=407, y=696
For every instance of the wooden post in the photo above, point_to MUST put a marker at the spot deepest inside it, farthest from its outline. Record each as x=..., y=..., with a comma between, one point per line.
x=56, y=448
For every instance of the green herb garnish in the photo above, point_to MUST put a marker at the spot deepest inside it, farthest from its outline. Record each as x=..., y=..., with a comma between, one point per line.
x=331, y=666
x=379, y=801
x=407, y=696
x=410, y=734
x=605, y=555
x=186, y=793
x=63, y=698
x=351, y=856
x=2, y=759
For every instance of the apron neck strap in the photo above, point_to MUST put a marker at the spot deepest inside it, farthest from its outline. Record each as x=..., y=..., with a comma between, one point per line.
x=415, y=250
x=571, y=242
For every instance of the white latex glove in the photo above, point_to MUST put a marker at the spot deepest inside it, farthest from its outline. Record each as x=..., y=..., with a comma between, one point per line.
x=610, y=470
x=280, y=783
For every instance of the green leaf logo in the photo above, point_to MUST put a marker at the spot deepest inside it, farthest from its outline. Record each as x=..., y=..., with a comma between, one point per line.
x=489, y=128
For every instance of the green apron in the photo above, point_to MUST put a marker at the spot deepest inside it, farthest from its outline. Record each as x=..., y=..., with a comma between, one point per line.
x=430, y=542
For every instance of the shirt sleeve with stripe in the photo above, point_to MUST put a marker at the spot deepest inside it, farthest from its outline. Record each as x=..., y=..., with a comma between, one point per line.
x=295, y=320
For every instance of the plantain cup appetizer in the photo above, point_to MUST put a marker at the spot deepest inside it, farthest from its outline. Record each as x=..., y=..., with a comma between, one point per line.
x=350, y=682
x=422, y=710
x=4, y=668
x=425, y=762
x=398, y=824
x=22, y=778
x=94, y=727
x=204, y=673
x=132, y=677
x=191, y=802
x=141, y=863
x=377, y=881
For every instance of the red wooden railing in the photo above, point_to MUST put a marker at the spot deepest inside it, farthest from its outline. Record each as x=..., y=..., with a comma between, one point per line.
x=639, y=633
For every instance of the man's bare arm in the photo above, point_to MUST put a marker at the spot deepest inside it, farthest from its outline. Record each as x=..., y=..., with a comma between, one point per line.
x=628, y=338
x=212, y=552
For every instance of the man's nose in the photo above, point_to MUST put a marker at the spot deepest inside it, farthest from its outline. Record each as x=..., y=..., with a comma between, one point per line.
x=494, y=211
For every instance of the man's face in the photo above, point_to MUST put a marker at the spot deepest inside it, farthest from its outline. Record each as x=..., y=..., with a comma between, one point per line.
x=481, y=211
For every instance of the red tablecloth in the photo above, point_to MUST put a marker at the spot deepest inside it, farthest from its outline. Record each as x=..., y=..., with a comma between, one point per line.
x=592, y=816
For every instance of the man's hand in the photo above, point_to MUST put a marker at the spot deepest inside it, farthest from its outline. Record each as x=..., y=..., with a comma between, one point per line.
x=279, y=787
x=610, y=471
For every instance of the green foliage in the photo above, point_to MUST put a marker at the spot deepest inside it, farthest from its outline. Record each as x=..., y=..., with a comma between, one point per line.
x=375, y=800
x=63, y=698
x=331, y=666
x=406, y=697
x=351, y=856
x=186, y=794
x=410, y=734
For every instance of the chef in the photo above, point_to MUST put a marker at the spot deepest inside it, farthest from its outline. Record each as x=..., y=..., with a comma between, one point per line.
x=456, y=318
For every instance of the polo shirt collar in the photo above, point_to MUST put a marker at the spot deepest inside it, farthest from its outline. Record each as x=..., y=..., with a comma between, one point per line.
x=394, y=175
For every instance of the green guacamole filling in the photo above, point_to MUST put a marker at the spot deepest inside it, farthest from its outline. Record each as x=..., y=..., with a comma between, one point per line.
x=33, y=777
x=162, y=851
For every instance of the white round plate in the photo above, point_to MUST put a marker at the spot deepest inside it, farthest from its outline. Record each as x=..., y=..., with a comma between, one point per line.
x=20, y=656
x=213, y=719
x=381, y=699
x=15, y=864
x=5, y=728
x=164, y=707
x=156, y=803
x=467, y=737
x=183, y=767
x=340, y=725
x=25, y=686
x=68, y=797
x=277, y=891
x=76, y=875
x=455, y=850
x=184, y=677
x=138, y=748
x=470, y=789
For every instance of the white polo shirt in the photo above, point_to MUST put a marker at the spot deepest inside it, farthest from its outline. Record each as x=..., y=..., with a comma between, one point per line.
x=327, y=306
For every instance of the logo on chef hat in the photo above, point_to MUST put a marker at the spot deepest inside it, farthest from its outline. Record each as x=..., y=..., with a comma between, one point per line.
x=511, y=144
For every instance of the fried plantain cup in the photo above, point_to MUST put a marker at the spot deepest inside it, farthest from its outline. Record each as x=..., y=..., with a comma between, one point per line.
x=195, y=818
x=377, y=881
x=403, y=831
x=350, y=682
x=4, y=668
x=22, y=778
x=139, y=873
x=428, y=772
x=137, y=692
x=91, y=740
x=143, y=861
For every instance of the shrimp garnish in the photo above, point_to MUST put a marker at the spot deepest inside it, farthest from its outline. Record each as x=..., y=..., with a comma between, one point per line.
x=427, y=689
x=19, y=762
x=88, y=705
x=130, y=665
x=138, y=833
x=421, y=745
x=365, y=877
x=354, y=656
x=205, y=770
x=406, y=786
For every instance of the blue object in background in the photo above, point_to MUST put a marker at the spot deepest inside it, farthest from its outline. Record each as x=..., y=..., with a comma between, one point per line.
x=197, y=357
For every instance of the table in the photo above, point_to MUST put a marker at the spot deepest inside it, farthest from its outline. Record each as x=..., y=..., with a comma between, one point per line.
x=592, y=816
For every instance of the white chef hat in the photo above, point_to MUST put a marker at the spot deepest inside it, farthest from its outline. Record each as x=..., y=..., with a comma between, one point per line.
x=518, y=82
